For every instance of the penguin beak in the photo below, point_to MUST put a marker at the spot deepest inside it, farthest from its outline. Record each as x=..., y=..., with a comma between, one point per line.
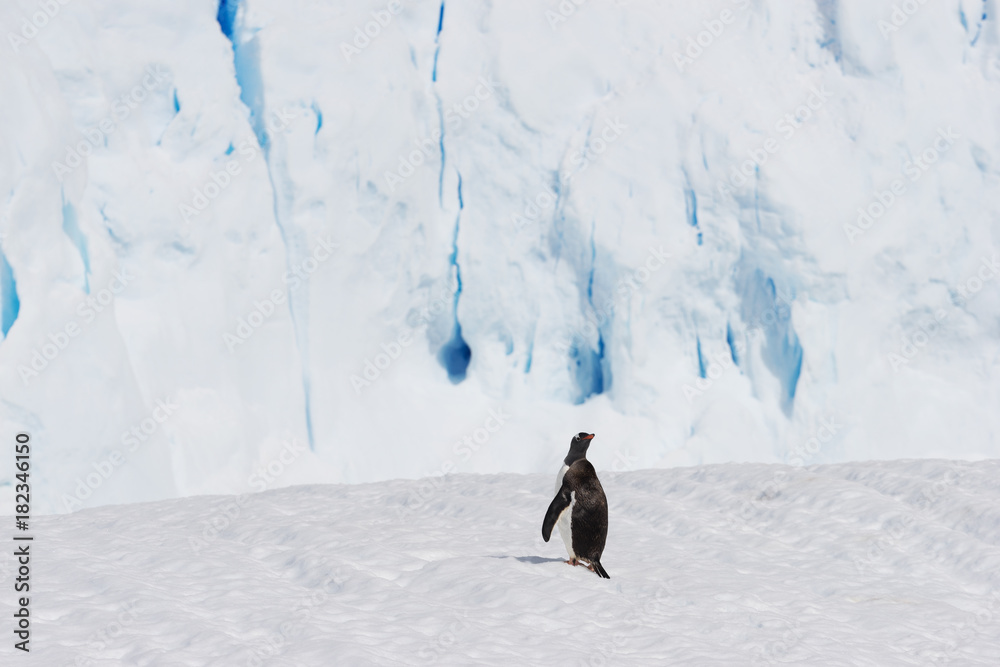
x=588, y=437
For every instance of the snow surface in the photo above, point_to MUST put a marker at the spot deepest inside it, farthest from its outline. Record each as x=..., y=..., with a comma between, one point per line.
x=882, y=564
x=764, y=319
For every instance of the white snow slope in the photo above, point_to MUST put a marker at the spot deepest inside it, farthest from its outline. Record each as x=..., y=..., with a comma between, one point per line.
x=881, y=564
x=549, y=192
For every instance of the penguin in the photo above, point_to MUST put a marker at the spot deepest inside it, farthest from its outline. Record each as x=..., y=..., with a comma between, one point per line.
x=577, y=450
x=580, y=508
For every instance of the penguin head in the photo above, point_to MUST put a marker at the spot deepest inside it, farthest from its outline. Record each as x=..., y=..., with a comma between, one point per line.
x=578, y=448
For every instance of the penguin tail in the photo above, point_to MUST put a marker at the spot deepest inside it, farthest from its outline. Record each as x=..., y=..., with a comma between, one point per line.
x=599, y=569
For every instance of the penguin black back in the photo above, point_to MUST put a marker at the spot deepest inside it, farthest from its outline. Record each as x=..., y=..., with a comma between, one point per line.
x=583, y=496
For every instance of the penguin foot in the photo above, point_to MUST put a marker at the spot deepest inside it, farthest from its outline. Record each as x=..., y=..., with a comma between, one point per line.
x=572, y=561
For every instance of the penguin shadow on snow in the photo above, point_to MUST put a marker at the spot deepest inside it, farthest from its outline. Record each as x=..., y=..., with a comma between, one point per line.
x=534, y=560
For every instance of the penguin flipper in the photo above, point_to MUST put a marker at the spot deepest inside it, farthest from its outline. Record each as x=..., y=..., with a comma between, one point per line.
x=599, y=569
x=556, y=507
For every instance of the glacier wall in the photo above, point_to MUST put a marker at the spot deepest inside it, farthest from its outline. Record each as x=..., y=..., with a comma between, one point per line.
x=252, y=243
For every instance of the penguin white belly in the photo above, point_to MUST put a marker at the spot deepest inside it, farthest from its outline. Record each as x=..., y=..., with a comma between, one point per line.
x=559, y=477
x=565, y=524
x=565, y=519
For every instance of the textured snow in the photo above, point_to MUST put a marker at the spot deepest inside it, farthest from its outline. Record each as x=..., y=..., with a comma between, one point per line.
x=885, y=563
x=765, y=318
